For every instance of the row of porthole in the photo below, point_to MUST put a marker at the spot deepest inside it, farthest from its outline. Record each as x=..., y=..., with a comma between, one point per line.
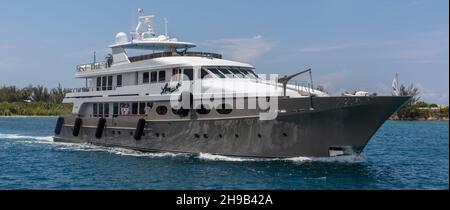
x=235, y=135
x=195, y=135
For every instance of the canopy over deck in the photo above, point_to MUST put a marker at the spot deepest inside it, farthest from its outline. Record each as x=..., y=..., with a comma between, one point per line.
x=154, y=44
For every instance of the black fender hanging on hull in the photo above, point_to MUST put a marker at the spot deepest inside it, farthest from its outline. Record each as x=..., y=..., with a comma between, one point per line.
x=100, y=127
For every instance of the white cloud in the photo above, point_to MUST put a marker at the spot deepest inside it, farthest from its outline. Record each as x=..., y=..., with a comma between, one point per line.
x=324, y=48
x=243, y=49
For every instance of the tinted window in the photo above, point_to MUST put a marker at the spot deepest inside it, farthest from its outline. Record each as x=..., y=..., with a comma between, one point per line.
x=154, y=76
x=104, y=83
x=142, y=108
x=115, y=109
x=134, y=108
x=106, y=113
x=216, y=72
x=145, y=78
x=162, y=76
x=189, y=73
x=99, y=83
x=227, y=73
x=119, y=81
x=100, y=109
x=110, y=79
x=95, y=110
x=237, y=73
x=203, y=74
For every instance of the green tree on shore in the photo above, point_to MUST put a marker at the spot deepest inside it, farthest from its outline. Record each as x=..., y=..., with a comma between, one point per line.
x=32, y=100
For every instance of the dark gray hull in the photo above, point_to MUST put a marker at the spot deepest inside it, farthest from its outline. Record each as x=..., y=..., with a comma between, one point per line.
x=313, y=127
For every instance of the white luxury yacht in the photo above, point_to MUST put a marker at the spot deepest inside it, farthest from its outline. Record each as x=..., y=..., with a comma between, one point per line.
x=178, y=100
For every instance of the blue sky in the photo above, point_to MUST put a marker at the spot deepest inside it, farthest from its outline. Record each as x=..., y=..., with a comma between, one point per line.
x=349, y=44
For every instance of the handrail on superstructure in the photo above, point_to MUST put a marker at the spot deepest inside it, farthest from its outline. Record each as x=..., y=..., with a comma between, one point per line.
x=172, y=54
x=91, y=66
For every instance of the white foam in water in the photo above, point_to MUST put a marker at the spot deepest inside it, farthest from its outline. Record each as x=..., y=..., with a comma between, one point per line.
x=207, y=156
x=114, y=150
x=203, y=156
x=340, y=159
x=17, y=136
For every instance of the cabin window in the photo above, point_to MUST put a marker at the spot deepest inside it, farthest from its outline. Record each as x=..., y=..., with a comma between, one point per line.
x=237, y=73
x=204, y=74
x=99, y=83
x=94, y=110
x=176, y=74
x=249, y=73
x=110, y=81
x=134, y=108
x=226, y=73
x=145, y=77
x=162, y=76
x=154, y=77
x=189, y=73
x=216, y=72
x=115, y=109
x=106, y=111
x=161, y=110
x=142, y=108
x=119, y=81
x=100, y=109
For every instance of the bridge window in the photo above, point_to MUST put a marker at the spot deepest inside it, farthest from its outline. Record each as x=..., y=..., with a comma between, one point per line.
x=189, y=73
x=237, y=73
x=226, y=73
x=154, y=77
x=162, y=76
x=145, y=77
x=100, y=109
x=216, y=72
x=204, y=74
x=176, y=74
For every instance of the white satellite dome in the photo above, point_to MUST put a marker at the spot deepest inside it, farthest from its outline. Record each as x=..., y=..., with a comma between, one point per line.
x=121, y=38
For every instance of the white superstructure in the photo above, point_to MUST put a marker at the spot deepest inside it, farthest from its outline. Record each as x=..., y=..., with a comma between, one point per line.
x=159, y=75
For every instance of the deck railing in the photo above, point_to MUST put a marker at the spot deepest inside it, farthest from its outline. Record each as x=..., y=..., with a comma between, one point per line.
x=91, y=66
x=171, y=54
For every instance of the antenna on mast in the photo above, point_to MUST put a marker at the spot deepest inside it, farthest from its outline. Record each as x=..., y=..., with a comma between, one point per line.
x=165, y=26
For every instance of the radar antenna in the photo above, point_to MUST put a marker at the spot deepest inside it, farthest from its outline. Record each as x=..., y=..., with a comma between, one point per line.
x=147, y=22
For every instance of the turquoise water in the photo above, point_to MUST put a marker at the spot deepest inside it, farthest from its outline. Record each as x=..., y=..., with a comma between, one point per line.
x=402, y=155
